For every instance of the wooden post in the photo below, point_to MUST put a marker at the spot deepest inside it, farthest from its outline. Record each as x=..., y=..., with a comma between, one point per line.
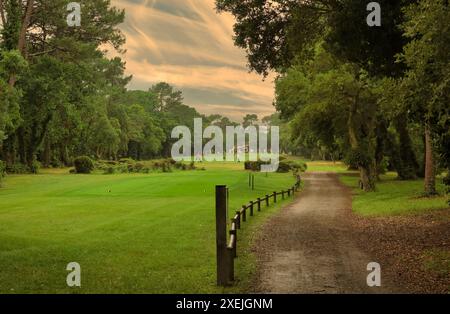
x=253, y=182
x=267, y=200
x=238, y=220
x=230, y=256
x=228, y=198
x=251, y=209
x=221, y=235
x=249, y=179
x=233, y=232
x=259, y=204
x=282, y=193
x=289, y=193
x=274, y=197
x=244, y=213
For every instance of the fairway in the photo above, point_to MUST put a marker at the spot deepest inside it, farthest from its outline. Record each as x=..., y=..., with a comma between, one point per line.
x=131, y=233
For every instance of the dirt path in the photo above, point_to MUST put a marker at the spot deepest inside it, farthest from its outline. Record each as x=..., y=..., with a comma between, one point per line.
x=310, y=247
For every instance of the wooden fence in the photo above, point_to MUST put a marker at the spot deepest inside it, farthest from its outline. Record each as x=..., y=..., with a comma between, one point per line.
x=227, y=246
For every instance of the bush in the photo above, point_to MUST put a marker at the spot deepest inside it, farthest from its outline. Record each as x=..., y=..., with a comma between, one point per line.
x=128, y=161
x=297, y=166
x=138, y=167
x=83, y=164
x=110, y=170
x=166, y=167
x=17, y=168
x=172, y=162
x=253, y=165
x=35, y=167
x=284, y=167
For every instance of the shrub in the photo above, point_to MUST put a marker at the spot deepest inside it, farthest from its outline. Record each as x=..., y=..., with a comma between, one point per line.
x=138, y=167
x=17, y=168
x=128, y=161
x=83, y=164
x=166, y=167
x=298, y=166
x=35, y=167
x=110, y=170
x=284, y=167
x=253, y=165
x=172, y=161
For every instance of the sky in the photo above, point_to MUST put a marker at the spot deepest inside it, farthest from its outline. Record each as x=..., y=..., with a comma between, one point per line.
x=187, y=44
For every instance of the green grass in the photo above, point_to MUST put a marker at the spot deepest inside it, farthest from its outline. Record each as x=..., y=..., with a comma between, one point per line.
x=324, y=166
x=393, y=197
x=130, y=233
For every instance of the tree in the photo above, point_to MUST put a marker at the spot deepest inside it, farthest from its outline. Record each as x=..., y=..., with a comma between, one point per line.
x=65, y=67
x=250, y=119
x=167, y=97
x=426, y=84
x=333, y=103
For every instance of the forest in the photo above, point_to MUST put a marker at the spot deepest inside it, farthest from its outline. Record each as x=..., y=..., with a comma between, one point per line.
x=62, y=96
x=375, y=97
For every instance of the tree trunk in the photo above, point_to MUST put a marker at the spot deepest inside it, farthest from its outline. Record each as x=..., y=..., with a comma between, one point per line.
x=430, y=177
x=366, y=174
x=21, y=45
x=367, y=179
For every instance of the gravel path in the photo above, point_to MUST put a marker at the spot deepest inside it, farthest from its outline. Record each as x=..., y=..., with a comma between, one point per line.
x=310, y=246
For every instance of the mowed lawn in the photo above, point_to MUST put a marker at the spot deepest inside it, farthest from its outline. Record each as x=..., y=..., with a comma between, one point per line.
x=131, y=233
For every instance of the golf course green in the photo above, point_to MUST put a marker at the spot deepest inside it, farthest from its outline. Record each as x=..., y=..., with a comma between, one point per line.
x=131, y=233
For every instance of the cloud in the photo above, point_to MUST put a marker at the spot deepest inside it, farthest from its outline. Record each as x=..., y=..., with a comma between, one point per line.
x=187, y=44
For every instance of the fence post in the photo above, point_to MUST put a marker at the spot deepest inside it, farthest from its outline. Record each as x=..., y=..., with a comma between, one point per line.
x=221, y=235
x=244, y=214
x=251, y=209
x=230, y=256
x=238, y=221
x=274, y=197
x=267, y=200
x=235, y=242
x=282, y=193
x=253, y=182
x=259, y=204
x=289, y=193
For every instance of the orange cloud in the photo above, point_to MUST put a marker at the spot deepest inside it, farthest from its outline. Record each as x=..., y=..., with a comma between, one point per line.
x=187, y=44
